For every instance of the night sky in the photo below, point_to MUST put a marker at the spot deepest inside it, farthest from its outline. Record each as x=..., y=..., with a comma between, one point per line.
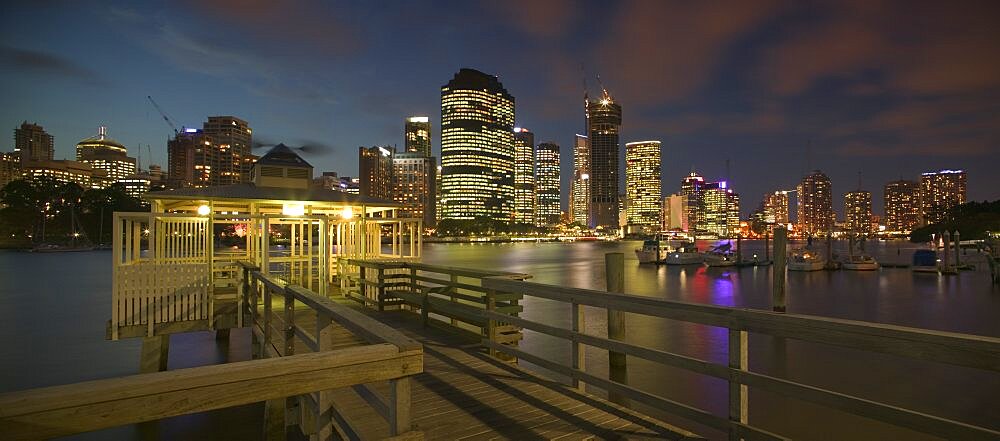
x=888, y=89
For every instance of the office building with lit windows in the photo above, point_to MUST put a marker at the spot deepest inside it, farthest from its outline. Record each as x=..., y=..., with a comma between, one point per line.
x=901, y=200
x=65, y=171
x=232, y=159
x=604, y=122
x=858, y=212
x=33, y=143
x=190, y=160
x=775, y=208
x=547, y=184
x=674, y=213
x=815, y=207
x=939, y=192
x=691, y=187
x=375, y=168
x=579, y=202
x=477, y=148
x=10, y=167
x=720, y=209
x=414, y=177
x=104, y=153
x=524, y=176
x=417, y=135
x=642, y=185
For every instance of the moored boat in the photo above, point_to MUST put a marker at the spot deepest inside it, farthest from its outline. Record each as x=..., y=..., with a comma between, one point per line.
x=925, y=261
x=721, y=255
x=685, y=254
x=806, y=260
x=860, y=262
x=655, y=250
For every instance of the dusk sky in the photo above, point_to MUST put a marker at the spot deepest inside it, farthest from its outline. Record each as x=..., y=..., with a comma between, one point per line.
x=889, y=89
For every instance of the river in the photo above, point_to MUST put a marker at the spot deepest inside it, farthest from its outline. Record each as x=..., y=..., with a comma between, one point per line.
x=53, y=310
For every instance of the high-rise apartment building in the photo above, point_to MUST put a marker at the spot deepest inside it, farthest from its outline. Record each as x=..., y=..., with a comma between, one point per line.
x=32, y=143
x=524, y=176
x=939, y=192
x=858, y=212
x=375, y=168
x=815, y=207
x=604, y=121
x=414, y=177
x=10, y=167
x=232, y=140
x=675, y=213
x=691, y=187
x=104, y=153
x=642, y=185
x=547, y=184
x=901, y=200
x=720, y=209
x=477, y=148
x=190, y=160
x=418, y=135
x=579, y=199
x=775, y=208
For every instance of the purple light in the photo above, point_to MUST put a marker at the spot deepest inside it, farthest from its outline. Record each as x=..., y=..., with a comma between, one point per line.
x=722, y=184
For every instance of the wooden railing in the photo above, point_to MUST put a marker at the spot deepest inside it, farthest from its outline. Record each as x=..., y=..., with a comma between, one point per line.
x=445, y=296
x=970, y=351
x=275, y=334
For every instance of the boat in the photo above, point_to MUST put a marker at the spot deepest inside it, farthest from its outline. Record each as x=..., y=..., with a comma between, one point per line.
x=925, y=261
x=655, y=250
x=721, y=255
x=53, y=248
x=78, y=241
x=806, y=260
x=685, y=254
x=860, y=262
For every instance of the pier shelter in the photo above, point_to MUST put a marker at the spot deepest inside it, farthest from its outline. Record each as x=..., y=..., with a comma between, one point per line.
x=175, y=267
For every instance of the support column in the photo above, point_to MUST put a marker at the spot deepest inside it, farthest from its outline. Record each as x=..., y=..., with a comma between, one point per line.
x=154, y=354
x=614, y=265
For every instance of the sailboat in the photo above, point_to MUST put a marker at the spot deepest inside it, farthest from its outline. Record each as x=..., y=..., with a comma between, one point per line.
x=720, y=255
x=78, y=241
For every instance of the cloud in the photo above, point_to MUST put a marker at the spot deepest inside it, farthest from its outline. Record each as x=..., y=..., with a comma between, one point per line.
x=973, y=146
x=44, y=63
x=541, y=19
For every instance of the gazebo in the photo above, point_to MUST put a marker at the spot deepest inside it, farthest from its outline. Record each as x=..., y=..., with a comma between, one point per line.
x=170, y=265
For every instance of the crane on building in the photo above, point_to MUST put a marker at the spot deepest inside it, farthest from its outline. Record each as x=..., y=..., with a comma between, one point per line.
x=166, y=118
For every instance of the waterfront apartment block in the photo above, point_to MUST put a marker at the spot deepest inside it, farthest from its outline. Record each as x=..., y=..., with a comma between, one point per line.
x=477, y=148
x=858, y=212
x=642, y=185
x=375, y=169
x=414, y=177
x=524, y=176
x=939, y=192
x=547, y=184
x=33, y=143
x=815, y=207
x=232, y=139
x=776, y=208
x=901, y=200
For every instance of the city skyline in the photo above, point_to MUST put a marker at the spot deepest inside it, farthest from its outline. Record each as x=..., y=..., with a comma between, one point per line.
x=859, y=107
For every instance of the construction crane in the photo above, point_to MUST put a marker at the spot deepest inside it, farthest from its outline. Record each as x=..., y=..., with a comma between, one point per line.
x=164, y=115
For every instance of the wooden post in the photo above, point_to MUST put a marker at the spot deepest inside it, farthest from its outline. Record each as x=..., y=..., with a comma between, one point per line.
x=491, y=323
x=958, y=246
x=738, y=402
x=739, y=249
x=289, y=324
x=399, y=406
x=946, y=259
x=579, y=351
x=614, y=273
x=274, y=420
x=324, y=404
x=778, y=270
x=154, y=354
x=267, y=321
x=767, y=245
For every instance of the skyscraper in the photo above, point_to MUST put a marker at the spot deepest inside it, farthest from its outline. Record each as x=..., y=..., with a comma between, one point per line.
x=231, y=142
x=104, y=153
x=547, y=184
x=418, y=135
x=642, y=185
x=477, y=148
x=604, y=120
x=939, y=192
x=815, y=208
x=902, y=206
x=375, y=168
x=190, y=157
x=858, y=212
x=32, y=143
x=414, y=177
x=675, y=213
x=579, y=202
x=10, y=167
x=524, y=176
x=691, y=187
x=776, y=208
x=719, y=210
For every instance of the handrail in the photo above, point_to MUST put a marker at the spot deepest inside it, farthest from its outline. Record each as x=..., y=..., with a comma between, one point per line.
x=971, y=351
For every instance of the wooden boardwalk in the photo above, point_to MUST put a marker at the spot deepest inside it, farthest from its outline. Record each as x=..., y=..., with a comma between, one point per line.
x=464, y=394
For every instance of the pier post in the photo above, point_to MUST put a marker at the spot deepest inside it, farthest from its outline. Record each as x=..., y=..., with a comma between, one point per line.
x=958, y=247
x=614, y=270
x=154, y=354
x=778, y=271
x=767, y=245
x=829, y=250
x=946, y=260
x=739, y=249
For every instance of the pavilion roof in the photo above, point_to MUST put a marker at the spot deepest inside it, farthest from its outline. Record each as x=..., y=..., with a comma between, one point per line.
x=250, y=191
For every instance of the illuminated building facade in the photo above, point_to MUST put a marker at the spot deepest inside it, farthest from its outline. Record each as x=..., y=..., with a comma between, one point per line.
x=327, y=181
x=939, y=192
x=104, y=153
x=604, y=122
x=10, y=167
x=375, y=168
x=642, y=184
x=776, y=208
x=414, y=177
x=547, y=184
x=579, y=203
x=477, y=148
x=231, y=139
x=524, y=176
x=66, y=171
x=190, y=159
x=720, y=209
x=32, y=143
x=858, y=212
x=901, y=200
x=691, y=187
x=815, y=207
x=418, y=135
x=674, y=213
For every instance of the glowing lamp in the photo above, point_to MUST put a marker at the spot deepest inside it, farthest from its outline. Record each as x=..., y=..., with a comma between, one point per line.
x=203, y=210
x=347, y=213
x=293, y=209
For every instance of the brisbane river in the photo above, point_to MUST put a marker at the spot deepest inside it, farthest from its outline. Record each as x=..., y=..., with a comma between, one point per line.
x=54, y=308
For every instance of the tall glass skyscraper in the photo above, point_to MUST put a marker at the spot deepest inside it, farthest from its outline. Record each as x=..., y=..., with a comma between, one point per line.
x=477, y=148
x=418, y=135
x=642, y=185
x=524, y=176
x=547, y=184
x=604, y=122
x=579, y=202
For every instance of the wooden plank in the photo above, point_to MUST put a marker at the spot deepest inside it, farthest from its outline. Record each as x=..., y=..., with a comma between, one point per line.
x=367, y=327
